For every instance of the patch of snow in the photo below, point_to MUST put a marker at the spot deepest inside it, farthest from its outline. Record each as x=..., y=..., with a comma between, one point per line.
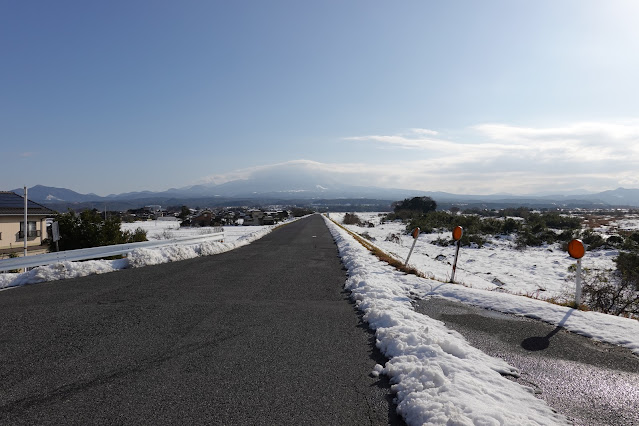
x=438, y=377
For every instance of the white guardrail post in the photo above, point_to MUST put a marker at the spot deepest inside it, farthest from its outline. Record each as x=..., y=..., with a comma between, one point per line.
x=98, y=252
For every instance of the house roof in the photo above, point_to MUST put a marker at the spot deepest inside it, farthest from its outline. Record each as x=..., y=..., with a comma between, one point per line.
x=12, y=204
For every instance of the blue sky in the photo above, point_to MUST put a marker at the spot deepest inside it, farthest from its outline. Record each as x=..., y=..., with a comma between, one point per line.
x=457, y=96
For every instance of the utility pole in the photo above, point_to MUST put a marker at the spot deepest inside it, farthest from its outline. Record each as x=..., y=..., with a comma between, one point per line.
x=24, y=229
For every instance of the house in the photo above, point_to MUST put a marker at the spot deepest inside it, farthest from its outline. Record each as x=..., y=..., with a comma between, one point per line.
x=12, y=221
x=254, y=217
x=203, y=219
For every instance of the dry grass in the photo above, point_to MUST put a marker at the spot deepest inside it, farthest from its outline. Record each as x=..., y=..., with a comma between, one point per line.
x=382, y=255
x=594, y=221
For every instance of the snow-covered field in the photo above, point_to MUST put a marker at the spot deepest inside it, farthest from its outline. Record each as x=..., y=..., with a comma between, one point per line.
x=234, y=236
x=476, y=264
x=539, y=272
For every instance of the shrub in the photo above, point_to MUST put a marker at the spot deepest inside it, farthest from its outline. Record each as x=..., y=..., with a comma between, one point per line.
x=367, y=236
x=628, y=267
x=90, y=229
x=468, y=239
x=136, y=236
x=615, y=292
x=631, y=242
x=416, y=204
x=351, y=219
x=615, y=241
x=557, y=221
x=442, y=242
x=510, y=225
x=393, y=238
x=592, y=240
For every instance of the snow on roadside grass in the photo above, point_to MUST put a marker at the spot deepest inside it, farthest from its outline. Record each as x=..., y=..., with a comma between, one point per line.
x=541, y=272
x=234, y=238
x=437, y=376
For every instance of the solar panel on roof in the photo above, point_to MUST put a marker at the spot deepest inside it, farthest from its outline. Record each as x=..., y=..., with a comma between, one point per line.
x=10, y=200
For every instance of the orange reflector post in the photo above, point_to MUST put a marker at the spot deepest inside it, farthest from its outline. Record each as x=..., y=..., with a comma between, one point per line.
x=576, y=249
x=457, y=233
x=415, y=235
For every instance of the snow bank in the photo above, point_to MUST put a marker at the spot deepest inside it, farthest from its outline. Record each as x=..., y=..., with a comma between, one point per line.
x=437, y=376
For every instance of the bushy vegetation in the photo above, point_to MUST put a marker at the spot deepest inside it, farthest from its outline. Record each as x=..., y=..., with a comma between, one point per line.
x=530, y=229
x=413, y=207
x=615, y=292
x=351, y=219
x=90, y=229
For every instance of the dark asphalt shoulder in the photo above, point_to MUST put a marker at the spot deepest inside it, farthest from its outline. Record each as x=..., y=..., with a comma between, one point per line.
x=588, y=381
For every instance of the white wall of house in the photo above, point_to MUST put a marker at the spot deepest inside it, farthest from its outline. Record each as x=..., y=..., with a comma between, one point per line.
x=10, y=229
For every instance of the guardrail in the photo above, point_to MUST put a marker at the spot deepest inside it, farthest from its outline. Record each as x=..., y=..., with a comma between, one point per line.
x=99, y=252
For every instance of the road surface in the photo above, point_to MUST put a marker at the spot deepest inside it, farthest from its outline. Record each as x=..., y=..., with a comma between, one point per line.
x=263, y=334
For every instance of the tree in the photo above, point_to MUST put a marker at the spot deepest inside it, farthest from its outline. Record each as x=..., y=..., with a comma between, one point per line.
x=184, y=212
x=90, y=229
x=416, y=204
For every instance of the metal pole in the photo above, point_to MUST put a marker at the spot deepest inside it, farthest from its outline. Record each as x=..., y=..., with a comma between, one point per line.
x=410, y=252
x=452, y=277
x=578, y=282
x=24, y=233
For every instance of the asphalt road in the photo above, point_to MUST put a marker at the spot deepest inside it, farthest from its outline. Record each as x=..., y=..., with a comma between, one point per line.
x=589, y=382
x=263, y=334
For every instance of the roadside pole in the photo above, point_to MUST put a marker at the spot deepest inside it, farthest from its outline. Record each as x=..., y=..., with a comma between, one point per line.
x=457, y=235
x=415, y=235
x=55, y=234
x=576, y=250
x=25, y=228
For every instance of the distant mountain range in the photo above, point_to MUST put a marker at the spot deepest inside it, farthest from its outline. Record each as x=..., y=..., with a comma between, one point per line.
x=301, y=186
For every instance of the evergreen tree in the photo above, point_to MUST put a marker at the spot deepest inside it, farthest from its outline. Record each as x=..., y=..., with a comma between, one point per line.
x=90, y=229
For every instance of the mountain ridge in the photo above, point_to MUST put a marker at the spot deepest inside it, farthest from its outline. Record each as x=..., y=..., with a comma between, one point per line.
x=304, y=181
x=235, y=190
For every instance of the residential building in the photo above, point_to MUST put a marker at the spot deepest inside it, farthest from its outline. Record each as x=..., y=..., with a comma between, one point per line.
x=12, y=226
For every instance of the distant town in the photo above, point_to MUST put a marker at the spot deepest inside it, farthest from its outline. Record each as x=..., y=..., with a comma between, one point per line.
x=232, y=216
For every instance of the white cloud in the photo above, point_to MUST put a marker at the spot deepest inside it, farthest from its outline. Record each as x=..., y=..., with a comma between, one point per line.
x=424, y=132
x=506, y=158
x=354, y=169
x=415, y=139
x=491, y=158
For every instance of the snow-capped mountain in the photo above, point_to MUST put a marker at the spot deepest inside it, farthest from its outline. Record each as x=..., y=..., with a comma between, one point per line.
x=303, y=180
